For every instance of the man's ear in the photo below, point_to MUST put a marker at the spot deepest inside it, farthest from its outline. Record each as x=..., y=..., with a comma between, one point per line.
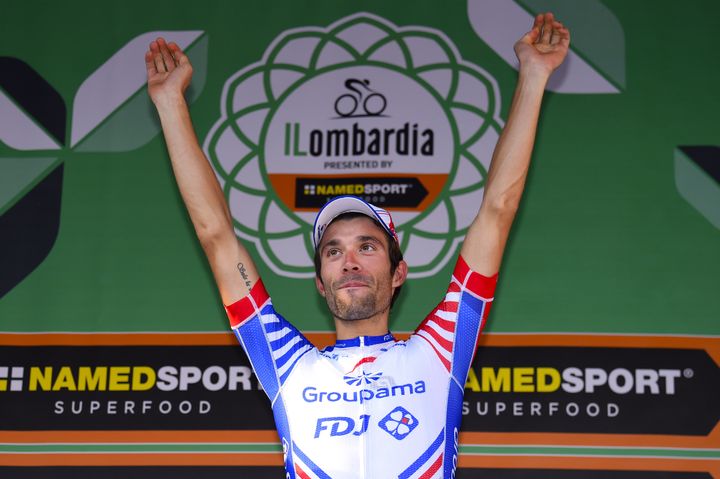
x=320, y=287
x=400, y=274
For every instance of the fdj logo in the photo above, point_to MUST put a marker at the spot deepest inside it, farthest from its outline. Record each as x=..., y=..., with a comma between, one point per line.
x=399, y=423
x=342, y=426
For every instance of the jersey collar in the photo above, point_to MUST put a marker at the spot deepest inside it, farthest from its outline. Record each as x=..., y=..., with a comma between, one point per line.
x=364, y=341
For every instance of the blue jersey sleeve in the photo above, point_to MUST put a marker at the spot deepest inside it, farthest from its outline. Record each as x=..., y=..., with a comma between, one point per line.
x=273, y=345
x=452, y=329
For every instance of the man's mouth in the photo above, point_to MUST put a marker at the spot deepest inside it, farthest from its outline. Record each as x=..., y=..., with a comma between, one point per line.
x=354, y=282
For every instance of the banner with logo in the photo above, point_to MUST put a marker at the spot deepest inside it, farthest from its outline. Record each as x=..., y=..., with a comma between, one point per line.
x=602, y=351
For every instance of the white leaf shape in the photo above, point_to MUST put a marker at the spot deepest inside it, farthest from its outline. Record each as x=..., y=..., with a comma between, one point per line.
x=423, y=251
x=291, y=251
x=466, y=207
x=501, y=22
x=361, y=36
x=253, y=203
x=437, y=221
x=396, y=415
x=468, y=123
x=331, y=54
x=472, y=91
x=19, y=131
x=390, y=53
x=251, y=124
x=281, y=80
x=297, y=52
x=249, y=92
x=439, y=79
x=466, y=175
x=230, y=150
x=425, y=51
x=250, y=176
x=483, y=148
x=277, y=221
x=117, y=80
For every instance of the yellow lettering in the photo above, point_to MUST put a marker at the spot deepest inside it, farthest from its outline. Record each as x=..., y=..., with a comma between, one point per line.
x=495, y=381
x=548, y=380
x=472, y=381
x=92, y=379
x=64, y=380
x=119, y=378
x=43, y=378
x=523, y=380
x=143, y=378
x=321, y=189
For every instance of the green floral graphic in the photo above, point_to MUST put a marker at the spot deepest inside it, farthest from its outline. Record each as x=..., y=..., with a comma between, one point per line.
x=467, y=95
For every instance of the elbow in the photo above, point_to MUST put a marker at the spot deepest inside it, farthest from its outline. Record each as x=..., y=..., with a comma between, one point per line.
x=213, y=235
x=501, y=208
x=503, y=205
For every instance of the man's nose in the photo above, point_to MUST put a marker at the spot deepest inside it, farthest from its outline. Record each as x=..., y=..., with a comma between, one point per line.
x=351, y=263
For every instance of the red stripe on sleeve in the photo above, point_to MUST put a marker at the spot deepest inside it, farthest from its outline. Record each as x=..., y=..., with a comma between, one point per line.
x=449, y=306
x=444, y=343
x=461, y=269
x=448, y=326
x=483, y=286
x=453, y=288
x=244, y=309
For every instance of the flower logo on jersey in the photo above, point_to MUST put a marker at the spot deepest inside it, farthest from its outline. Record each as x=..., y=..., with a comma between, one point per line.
x=363, y=378
x=399, y=423
x=390, y=113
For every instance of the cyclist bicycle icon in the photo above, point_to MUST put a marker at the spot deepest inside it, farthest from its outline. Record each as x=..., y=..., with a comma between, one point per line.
x=373, y=103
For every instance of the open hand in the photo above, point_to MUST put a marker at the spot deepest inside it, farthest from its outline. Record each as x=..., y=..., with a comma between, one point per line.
x=545, y=46
x=168, y=71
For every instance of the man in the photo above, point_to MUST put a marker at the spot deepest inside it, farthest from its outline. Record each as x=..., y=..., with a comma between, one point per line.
x=369, y=406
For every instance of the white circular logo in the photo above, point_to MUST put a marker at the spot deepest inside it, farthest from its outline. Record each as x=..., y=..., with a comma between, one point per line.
x=363, y=107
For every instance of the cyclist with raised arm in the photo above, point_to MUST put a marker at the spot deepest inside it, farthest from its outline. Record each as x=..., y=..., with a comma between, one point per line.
x=369, y=406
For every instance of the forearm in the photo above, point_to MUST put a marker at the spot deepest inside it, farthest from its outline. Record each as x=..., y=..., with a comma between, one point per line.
x=195, y=178
x=487, y=236
x=511, y=159
x=234, y=271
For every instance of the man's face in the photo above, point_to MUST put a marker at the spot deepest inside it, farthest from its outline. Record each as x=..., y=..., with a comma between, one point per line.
x=355, y=274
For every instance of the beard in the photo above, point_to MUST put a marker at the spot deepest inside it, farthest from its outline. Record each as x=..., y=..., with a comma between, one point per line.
x=355, y=306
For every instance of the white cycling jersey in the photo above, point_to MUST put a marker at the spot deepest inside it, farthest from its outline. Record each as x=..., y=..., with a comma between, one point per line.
x=369, y=407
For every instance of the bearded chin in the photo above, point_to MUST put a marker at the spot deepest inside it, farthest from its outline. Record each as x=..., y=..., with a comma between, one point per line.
x=354, y=309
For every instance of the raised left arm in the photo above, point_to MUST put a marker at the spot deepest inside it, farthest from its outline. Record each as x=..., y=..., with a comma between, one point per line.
x=540, y=52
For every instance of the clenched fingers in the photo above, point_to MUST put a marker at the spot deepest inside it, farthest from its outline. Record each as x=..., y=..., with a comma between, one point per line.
x=166, y=55
x=547, y=25
x=150, y=63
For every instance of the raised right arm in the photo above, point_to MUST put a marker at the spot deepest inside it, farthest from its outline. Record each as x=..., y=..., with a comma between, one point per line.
x=169, y=73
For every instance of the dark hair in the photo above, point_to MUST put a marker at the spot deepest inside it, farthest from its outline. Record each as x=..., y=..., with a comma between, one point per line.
x=394, y=251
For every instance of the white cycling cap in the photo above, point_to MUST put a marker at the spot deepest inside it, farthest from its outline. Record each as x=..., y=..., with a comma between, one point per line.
x=350, y=204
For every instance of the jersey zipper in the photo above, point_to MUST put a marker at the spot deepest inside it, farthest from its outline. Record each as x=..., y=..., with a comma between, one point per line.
x=363, y=445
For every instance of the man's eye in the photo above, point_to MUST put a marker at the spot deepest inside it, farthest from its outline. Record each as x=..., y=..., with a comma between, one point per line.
x=367, y=247
x=333, y=252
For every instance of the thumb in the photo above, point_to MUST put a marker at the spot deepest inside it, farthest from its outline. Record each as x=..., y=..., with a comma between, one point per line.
x=531, y=36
